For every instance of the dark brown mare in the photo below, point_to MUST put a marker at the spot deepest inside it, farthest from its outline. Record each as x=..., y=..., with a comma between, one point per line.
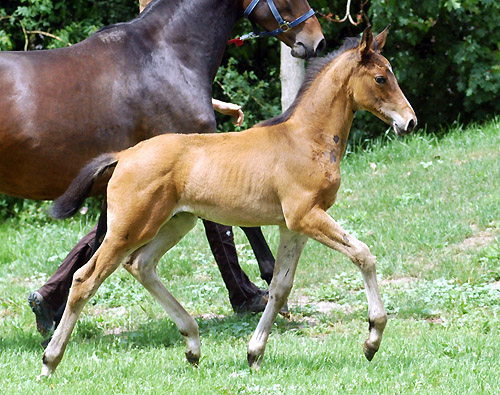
x=129, y=82
x=159, y=187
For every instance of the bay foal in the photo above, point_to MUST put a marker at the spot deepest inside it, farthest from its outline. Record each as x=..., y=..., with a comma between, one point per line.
x=282, y=172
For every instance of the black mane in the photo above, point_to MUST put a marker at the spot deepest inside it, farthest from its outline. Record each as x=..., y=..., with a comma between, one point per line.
x=314, y=68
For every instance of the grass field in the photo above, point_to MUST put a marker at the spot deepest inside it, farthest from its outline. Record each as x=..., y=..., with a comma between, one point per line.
x=428, y=207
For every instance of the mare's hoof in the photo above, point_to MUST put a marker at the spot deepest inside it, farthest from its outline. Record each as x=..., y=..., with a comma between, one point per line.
x=258, y=303
x=192, y=358
x=369, y=351
x=284, y=312
x=44, y=314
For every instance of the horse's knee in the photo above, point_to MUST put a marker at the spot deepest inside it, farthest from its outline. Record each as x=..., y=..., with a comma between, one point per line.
x=281, y=289
x=363, y=257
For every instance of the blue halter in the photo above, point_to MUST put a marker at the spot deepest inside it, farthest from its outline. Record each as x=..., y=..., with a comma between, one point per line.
x=284, y=26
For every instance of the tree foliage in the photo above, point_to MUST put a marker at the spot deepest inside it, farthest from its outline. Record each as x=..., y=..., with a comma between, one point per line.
x=32, y=24
x=445, y=53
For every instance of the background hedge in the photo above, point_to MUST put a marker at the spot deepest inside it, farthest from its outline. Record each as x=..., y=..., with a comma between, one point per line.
x=445, y=53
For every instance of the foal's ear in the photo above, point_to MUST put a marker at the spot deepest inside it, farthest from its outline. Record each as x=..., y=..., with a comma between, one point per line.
x=380, y=39
x=366, y=42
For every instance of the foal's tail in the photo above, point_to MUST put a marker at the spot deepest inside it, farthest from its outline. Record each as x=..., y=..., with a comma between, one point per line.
x=70, y=202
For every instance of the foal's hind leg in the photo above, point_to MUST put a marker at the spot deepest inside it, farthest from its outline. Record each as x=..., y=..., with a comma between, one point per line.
x=318, y=225
x=289, y=250
x=142, y=265
x=86, y=281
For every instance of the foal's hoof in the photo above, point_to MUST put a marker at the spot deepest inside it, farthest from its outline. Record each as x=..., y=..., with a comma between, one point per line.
x=192, y=358
x=45, y=373
x=254, y=361
x=369, y=351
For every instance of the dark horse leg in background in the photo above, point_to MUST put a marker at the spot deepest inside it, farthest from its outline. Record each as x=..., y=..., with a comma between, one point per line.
x=262, y=252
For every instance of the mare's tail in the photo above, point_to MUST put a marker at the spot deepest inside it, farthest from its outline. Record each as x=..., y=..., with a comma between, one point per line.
x=70, y=202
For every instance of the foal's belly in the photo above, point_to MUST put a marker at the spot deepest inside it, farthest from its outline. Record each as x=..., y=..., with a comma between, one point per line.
x=249, y=214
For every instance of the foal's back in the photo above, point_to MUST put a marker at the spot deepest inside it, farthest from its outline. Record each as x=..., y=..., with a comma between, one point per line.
x=244, y=167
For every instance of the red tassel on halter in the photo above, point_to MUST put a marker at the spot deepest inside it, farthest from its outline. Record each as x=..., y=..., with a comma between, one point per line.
x=236, y=41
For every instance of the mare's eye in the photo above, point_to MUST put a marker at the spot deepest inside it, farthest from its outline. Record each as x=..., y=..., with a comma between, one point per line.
x=380, y=80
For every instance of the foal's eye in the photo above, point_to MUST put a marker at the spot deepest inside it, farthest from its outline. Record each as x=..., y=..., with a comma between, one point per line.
x=380, y=80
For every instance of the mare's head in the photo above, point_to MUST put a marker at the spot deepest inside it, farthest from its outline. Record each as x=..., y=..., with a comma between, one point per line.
x=305, y=39
x=373, y=86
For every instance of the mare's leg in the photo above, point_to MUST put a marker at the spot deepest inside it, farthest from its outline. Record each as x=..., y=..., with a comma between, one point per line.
x=289, y=250
x=86, y=281
x=142, y=265
x=55, y=290
x=262, y=252
x=48, y=311
x=318, y=225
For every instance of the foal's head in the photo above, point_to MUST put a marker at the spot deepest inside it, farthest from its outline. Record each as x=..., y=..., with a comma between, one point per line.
x=375, y=88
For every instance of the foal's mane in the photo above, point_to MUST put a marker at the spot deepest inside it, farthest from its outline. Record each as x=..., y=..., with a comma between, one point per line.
x=313, y=69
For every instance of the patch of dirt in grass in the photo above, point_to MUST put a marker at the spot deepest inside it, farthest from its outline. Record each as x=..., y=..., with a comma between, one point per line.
x=116, y=331
x=210, y=316
x=398, y=280
x=495, y=285
x=323, y=307
x=316, y=308
x=480, y=239
x=435, y=320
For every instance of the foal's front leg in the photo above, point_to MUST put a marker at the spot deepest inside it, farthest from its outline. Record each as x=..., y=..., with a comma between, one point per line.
x=289, y=250
x=318, y=225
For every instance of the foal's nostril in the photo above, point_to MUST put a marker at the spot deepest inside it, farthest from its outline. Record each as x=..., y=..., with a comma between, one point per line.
x=320, y=47
x=411, y=125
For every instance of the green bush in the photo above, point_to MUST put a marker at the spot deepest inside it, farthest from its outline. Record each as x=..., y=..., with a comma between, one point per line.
x=70, y=21
x=445, y=53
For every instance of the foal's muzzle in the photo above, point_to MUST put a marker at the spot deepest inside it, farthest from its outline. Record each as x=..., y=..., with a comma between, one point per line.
x=405, y=129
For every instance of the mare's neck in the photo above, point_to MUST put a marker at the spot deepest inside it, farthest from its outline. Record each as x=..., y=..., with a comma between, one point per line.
x=197, y=30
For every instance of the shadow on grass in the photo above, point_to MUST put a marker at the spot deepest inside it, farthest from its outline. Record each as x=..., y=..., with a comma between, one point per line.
x=21, y=340
x=161, y=332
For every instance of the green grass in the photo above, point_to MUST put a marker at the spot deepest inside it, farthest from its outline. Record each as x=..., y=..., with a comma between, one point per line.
x=428, y=207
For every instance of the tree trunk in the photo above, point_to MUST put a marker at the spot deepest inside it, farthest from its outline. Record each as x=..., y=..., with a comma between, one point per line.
x=292, y=74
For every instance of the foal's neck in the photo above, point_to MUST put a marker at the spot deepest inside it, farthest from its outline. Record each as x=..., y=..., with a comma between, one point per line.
x=326, y=111
x=199, y=29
